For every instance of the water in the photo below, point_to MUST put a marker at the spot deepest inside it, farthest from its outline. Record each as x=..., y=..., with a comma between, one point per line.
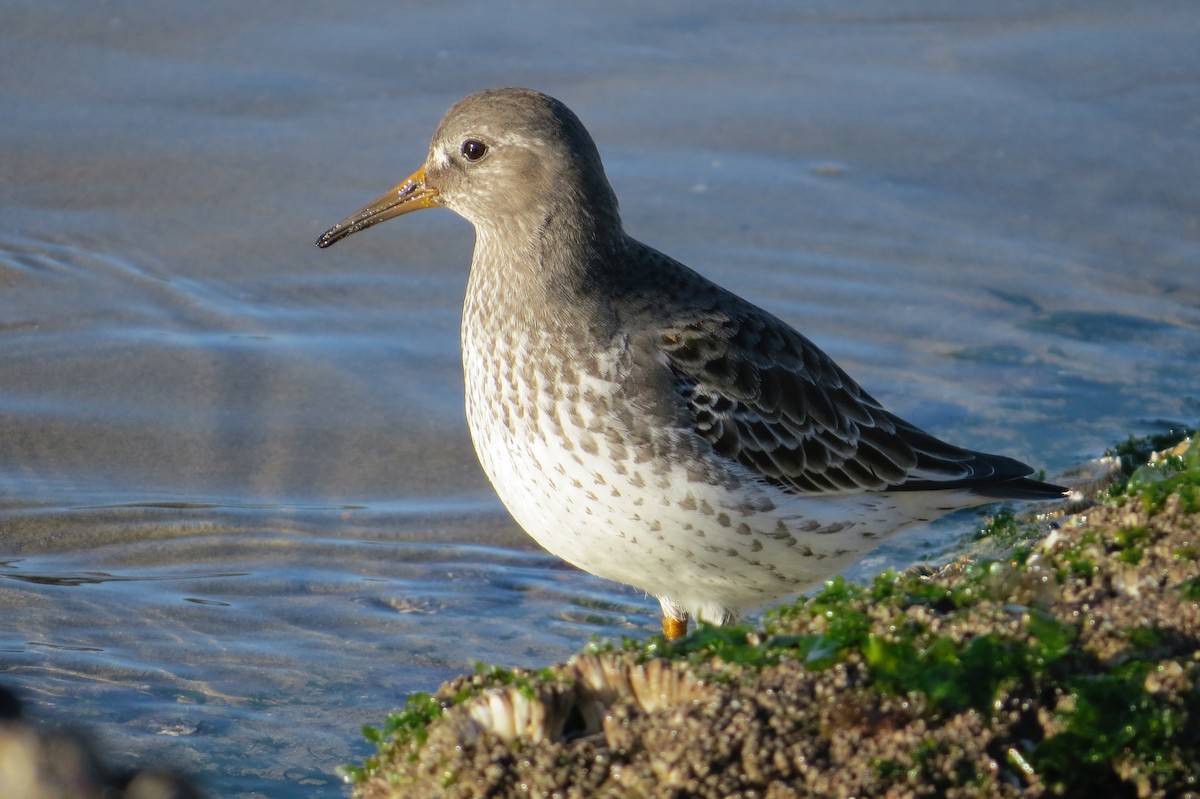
x=239, y=511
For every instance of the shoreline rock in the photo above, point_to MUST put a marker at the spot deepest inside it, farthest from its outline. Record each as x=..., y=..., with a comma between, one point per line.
x=1068, y=668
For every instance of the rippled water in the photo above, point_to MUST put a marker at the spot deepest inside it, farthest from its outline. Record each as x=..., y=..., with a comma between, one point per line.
x=239, y=511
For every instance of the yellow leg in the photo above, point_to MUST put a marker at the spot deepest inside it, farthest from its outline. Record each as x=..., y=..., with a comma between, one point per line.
x=674, y=628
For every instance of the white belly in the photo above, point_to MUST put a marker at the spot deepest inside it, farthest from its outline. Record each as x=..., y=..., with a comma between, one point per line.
x=575, y=480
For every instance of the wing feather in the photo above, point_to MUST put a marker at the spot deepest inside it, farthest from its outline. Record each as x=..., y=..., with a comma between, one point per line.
x=768, y=398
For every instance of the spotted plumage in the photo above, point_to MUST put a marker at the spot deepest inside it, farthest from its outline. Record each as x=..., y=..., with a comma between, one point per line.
x=642, y=422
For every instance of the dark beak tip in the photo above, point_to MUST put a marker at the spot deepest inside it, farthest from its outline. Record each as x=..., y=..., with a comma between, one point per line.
x=329, y=238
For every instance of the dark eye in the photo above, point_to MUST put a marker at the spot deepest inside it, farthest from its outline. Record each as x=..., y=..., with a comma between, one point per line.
x=473, y=150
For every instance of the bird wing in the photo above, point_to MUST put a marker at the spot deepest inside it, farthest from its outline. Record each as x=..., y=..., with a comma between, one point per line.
x=765, y=396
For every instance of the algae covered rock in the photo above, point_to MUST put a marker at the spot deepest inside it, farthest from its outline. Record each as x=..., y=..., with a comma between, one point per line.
x=1068, y=668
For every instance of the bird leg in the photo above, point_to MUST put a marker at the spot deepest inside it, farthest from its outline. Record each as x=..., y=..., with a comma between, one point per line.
x=674, y=619
x=674, y=628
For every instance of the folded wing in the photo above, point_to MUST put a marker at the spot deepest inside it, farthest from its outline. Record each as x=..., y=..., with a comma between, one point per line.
x=766, y=397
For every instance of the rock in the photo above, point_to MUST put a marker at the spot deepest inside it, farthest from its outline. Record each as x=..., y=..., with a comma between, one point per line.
x=1069, y=668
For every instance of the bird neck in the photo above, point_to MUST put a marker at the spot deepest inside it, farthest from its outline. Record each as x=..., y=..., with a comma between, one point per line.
x=548, y=255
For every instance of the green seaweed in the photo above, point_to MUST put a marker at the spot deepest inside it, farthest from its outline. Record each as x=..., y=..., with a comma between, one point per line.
x=1174, y=474
x=1135, y=451
x=888, y=769
x=1107, y=713
x=728, y=644
x=494, y=676
x=1003, y=527
x=410, y=725
x=1110, y=716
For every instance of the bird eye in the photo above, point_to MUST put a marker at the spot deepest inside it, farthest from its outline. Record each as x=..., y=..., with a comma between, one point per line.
x=473, y=150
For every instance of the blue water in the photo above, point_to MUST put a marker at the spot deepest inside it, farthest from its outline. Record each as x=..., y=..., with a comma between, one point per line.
x=240, y=515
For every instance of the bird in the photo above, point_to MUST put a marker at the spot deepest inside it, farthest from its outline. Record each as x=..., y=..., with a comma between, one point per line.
x=640, y=421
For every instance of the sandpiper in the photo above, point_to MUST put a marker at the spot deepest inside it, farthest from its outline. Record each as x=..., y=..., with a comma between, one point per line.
x=640, y=421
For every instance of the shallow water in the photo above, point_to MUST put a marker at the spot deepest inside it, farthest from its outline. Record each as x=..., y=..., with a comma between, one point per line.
x=240, y=515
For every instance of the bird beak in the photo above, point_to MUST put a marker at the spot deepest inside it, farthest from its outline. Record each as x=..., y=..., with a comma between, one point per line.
x=411, y=195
